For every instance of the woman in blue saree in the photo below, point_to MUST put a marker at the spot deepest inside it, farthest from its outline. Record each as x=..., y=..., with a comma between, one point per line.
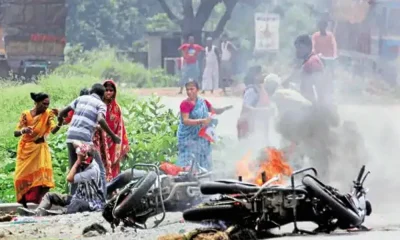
x=195, y=113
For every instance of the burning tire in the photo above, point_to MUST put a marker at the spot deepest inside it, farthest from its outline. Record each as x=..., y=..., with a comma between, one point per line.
x=229, y=213
x=134, y=196
x=339, y=210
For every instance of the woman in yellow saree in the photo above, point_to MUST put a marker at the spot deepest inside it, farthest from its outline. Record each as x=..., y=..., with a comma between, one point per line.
x=33, y=172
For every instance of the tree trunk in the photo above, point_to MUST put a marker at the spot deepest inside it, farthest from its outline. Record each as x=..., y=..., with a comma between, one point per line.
x=188, y=30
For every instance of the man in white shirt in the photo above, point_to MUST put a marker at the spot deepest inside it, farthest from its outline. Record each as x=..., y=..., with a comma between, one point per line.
x=227, y=50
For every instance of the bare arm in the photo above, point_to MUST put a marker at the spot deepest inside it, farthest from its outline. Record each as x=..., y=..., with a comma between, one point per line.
x=62, y=114
x=56, y=129
x=221, y=110
x=192, y=122
x=74, y=170
x=232, y=47
x=18, y=133
x=103, y=124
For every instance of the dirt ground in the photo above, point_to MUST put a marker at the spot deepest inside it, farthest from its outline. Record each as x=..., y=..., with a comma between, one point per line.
x=378, y=125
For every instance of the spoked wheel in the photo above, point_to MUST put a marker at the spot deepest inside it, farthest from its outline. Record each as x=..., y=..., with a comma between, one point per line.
x=339, y=209
x=134, y=197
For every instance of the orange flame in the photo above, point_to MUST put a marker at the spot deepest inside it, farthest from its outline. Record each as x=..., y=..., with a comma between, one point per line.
x=272, y=165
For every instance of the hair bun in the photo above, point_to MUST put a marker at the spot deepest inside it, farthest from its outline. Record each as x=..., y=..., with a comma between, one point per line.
x=33, y=96
x=38, y=97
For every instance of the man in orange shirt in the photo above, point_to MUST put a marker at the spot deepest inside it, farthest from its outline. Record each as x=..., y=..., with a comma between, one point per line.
x=324, y=41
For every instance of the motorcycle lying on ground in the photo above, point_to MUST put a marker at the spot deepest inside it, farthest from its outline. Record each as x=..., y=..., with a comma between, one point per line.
x=153, y=194
x=264, y=208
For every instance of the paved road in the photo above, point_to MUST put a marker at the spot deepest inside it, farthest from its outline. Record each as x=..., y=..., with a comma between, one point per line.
x=378, y=125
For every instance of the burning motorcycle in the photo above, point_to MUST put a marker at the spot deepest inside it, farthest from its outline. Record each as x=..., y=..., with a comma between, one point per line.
x=152, y=194
x=262, y=208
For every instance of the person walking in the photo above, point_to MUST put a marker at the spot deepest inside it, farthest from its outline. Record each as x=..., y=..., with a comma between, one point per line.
x=211, y=70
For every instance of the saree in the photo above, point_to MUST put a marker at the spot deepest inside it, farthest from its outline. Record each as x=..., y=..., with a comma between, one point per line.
x=115, y=121
x=34, y=172
x=190, y=145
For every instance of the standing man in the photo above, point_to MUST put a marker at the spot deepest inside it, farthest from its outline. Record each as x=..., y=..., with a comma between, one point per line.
x=227, y=49
x=190, y=53
x=89, y=110
x=313, y=85
x=211, y=70
x=324, y=42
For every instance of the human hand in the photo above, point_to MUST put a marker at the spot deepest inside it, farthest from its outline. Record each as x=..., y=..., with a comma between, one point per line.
x=207, y=121
x=55, y=111
x=27, y=130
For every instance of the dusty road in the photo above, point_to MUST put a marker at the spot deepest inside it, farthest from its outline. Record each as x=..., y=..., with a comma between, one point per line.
x=378, y=125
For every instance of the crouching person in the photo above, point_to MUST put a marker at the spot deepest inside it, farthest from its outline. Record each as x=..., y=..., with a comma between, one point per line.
x=88, y=197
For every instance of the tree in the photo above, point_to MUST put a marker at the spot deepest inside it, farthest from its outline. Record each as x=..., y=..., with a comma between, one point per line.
x=192, y=23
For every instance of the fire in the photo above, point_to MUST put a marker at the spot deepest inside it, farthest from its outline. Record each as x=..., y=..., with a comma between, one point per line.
x=273, y=164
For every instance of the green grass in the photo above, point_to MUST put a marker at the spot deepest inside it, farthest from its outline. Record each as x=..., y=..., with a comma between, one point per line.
x=63, y=85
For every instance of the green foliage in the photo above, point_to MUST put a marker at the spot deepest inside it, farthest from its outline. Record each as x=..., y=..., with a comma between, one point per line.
x=151, y=127
x=160, y=22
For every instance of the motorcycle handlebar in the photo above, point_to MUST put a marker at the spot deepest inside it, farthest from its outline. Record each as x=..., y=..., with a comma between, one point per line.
x=360, y=174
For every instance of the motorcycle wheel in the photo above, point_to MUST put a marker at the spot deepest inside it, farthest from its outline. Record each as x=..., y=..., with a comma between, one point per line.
x=229, y=213
x=344, y=215
x=133, y=198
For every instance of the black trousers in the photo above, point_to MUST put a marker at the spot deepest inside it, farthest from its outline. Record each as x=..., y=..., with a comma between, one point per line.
x=64, y=200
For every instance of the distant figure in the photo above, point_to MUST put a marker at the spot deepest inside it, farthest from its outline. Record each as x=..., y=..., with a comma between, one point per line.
x=312, y=82
x=211, y=69
x=255, y=114
x=324, y=42
x=190, y=53
x=227, y=50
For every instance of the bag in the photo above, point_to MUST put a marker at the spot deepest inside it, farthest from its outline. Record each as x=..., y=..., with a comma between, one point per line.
x=209, y=132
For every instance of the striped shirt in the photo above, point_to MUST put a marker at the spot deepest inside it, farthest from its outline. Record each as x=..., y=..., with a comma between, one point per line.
x=86, y=109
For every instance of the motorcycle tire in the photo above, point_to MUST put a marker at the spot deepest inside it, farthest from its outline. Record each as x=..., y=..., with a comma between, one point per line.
x=229, y=213
x=134, y=197
x=344, y=215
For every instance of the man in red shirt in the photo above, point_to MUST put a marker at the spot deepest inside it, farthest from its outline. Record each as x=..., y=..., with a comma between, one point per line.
x=324, y=42
x=312, y=82
x=190, y=53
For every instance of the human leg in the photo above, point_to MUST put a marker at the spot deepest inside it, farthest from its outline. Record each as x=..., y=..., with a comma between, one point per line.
x=72, y=159
x=78, y=205
x=207, y=79
x=215, y=77
x=52, y=198
x=102, y=173
x=48, y=200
